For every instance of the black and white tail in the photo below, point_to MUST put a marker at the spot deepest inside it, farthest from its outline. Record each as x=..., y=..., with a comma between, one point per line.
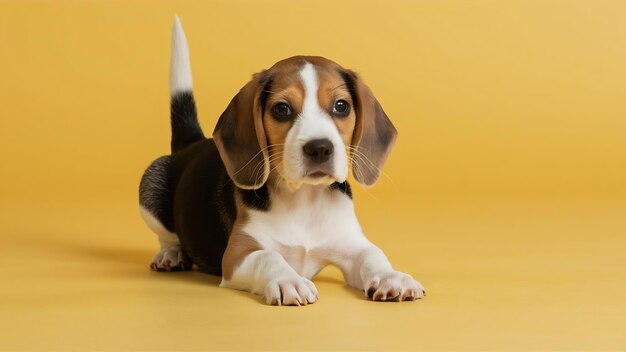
x=185, y=126
x=155, y=194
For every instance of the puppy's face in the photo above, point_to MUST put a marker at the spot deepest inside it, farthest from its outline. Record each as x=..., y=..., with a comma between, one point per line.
x=298, y=122
x=309, y=120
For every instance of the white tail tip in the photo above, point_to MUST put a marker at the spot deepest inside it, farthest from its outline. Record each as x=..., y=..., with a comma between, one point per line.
x=180, y=68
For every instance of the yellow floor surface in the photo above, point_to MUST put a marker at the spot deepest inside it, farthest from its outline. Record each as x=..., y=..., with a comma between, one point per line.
x=535, y=276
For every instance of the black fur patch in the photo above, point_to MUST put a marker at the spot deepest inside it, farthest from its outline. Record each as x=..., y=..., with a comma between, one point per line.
x=343, y=187
x=203, y=203
x=257, y=199
x=184, y=119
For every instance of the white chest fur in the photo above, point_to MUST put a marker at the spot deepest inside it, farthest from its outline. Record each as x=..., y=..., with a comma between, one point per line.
x=303, y=226
x=302, y=232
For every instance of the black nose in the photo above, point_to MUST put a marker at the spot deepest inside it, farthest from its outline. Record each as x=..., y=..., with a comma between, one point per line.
x=319, y=150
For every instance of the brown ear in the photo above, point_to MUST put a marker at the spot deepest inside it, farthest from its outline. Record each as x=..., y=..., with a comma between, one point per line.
x=240, y=137
x=374, y=134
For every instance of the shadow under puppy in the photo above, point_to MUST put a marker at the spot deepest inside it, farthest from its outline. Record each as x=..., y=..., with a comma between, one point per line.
x=266, y=203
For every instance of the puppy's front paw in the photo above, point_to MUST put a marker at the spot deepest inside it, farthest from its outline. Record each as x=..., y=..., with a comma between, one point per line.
x=170, y=259
x=394, y=286
x=295, y=291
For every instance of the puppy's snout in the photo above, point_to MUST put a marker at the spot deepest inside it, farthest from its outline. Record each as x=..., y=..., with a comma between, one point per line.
x=319, y=150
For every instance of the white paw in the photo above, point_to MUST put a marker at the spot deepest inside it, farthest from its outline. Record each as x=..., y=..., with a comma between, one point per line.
x=394, y=286
x=295, y=291
x=169, y=259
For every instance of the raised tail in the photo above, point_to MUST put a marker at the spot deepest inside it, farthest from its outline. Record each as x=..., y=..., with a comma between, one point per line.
x=185, y=126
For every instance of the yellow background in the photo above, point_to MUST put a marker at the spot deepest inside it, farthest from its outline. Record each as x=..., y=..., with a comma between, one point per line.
x=505, y=194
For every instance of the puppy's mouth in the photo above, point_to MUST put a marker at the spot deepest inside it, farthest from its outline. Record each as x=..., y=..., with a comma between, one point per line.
x=317, y=174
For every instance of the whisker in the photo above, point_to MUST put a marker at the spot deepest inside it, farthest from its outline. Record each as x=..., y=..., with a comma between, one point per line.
x=370, y=164
x=361, y=176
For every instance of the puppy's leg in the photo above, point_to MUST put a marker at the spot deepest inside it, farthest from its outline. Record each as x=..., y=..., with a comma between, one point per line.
x=170, y=257
x=265, y=272
x=155, y=209
x=366, y=267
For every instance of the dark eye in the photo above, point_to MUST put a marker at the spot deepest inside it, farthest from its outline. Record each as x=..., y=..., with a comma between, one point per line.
x=341, y=108
x=281, y=112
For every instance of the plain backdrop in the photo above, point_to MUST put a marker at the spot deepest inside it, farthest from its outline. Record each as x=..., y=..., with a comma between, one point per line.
x=505, y=194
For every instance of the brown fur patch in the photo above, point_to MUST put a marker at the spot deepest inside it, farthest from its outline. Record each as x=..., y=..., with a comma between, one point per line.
x=332, y=87
x=374, y=134
x=240, y=138
x=286, y=88
x=240, y=244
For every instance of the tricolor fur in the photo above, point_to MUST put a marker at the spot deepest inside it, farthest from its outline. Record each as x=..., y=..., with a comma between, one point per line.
x=266, y=202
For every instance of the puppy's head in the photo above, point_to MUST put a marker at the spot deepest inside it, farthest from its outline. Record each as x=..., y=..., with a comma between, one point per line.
x=301, y=121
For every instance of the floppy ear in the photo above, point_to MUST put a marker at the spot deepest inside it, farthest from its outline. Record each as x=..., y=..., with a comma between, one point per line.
x=240, y=137
x=374, y=134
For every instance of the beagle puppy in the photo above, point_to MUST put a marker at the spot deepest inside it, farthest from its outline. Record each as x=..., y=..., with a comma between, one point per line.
x=266, y=203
